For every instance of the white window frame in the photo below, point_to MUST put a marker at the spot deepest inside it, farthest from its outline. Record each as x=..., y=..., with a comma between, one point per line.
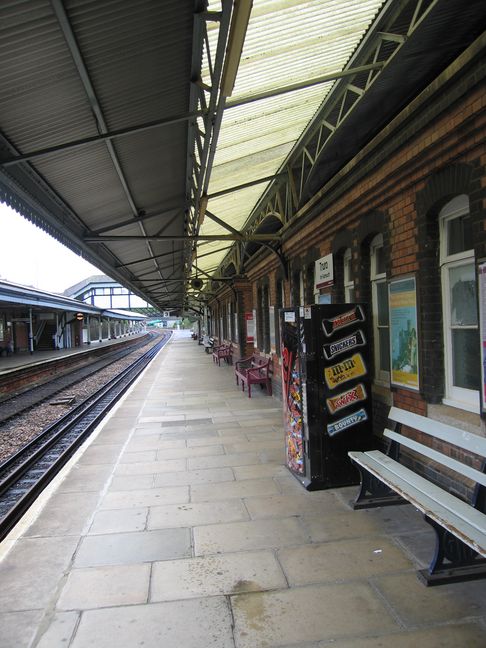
x=348, y=277
x=381, y=377
x=466, y=399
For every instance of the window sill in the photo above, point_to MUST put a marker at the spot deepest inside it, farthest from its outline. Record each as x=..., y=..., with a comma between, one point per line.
x=456, y=416
x=468, y=407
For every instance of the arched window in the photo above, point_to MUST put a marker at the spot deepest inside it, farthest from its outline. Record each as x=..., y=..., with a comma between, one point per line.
x=459, y=304
x=379, y=301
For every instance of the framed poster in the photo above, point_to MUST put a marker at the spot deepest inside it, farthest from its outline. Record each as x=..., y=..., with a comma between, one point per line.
x=271, y=318
x=250, y=327
x=482, y=328
x=404, y=363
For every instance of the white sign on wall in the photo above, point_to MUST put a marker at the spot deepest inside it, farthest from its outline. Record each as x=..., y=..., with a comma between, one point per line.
x=324, y=273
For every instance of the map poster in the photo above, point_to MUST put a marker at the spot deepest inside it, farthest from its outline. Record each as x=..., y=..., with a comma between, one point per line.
x=482, y=330
x=403, y=333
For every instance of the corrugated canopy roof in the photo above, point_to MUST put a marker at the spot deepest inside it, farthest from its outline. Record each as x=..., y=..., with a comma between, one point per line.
x=117, y=138
x=287, y=42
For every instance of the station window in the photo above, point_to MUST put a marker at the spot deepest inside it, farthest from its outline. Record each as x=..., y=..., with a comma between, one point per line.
x=348, y=277
x=459, y=303
x=379, y=299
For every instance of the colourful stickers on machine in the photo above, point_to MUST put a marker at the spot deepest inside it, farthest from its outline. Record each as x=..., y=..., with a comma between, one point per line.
x=333, y=324
x=353, y=367
x=347, y=398
x=348, y=421
x=352, y=341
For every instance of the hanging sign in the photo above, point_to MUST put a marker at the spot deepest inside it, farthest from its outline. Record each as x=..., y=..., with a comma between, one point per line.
x=324, y=273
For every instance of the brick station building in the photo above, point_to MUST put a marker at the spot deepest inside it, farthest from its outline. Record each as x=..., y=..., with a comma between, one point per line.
x=410, y=204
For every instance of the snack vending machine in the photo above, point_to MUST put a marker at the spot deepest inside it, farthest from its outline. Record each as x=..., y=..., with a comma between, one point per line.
x=326, y=391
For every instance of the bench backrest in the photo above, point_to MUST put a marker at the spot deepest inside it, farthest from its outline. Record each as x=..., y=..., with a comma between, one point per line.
x=465, y=440
x=259, y=362
x=443, y=432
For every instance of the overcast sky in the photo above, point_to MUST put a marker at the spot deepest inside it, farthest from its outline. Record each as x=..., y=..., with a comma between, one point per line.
x=31, y=257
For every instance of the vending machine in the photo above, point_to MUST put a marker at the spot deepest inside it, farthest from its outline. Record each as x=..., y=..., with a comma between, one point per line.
x=326, y=386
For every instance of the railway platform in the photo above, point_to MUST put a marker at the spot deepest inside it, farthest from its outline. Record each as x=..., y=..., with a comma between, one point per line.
x=20, y=360
x=177, y=525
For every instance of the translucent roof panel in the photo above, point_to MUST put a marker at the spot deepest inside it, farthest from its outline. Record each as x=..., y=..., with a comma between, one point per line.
x=287, y=42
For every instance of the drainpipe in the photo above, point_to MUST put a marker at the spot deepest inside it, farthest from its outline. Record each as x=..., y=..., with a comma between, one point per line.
x=31, y=333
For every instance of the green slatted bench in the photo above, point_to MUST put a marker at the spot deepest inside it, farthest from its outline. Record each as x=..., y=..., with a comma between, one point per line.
x=460, y=526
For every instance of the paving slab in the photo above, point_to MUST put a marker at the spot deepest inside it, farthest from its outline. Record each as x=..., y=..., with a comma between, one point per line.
x=417, y=605
x=17, y=629
x=258, y=471
x=59, y=631
x=152, y=442
x=239, y=459
x=30, y=573
x=201, y=451
x=313, y=613
x=69, y=514
x=145, y=497
x=341, y=561
x=105, y=587
x=231, y=573
x=182, y=624
x=151, y=467
x=188, y=477
x=131, y=548
x=241, y=536
x=101, y=454
x=132, y=482
x=243, y=488
x=119, y=521
x=210, y=441
x=336, y=525
x=139, y=456
x=196, y=514
x=470, y=635
x=90, y=478
x=317, y=503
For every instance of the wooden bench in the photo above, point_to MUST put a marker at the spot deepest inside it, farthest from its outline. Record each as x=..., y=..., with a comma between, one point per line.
x=254, y=370
x=208, y=343
x=225, y=352
x=460, y=527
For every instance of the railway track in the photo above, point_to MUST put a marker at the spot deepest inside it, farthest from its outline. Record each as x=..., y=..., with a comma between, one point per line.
x=26, y=473
x=18, y=403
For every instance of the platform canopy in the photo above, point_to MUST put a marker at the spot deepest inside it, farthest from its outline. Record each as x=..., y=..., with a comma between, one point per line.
x=153, y=137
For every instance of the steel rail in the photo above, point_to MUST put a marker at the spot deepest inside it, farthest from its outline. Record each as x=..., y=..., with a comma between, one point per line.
x=24, y=475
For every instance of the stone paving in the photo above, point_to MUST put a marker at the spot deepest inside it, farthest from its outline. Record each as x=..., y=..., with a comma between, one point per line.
x=178, y=527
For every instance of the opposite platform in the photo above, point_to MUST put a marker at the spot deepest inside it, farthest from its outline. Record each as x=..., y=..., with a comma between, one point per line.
x=177, y=525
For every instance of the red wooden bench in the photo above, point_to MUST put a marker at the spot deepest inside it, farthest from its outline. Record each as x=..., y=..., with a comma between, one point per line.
x=225, y=351
x=254, y=370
